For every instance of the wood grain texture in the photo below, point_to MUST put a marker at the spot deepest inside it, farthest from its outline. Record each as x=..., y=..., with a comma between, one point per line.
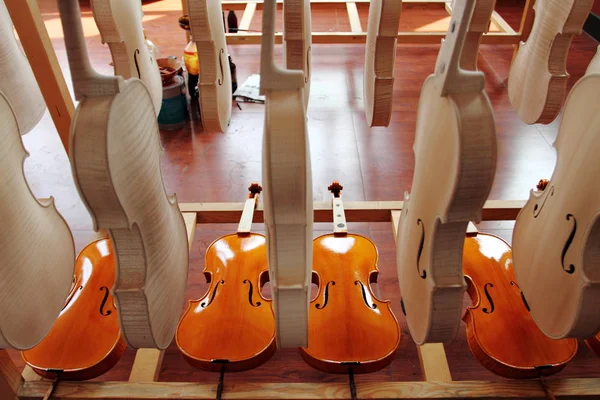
x=538, y=77
x=556, y=240
x=120, y=25
x=119, y=179
x=22, y=91
x=380, y=57
x=297, y=39
x=288, y=191
x=10, y=379
x=455, y=127
x=36, y=253
x=214, y=82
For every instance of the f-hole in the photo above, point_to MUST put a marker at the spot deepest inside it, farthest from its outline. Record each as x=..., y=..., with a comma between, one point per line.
x=320, y=306
x=513, y=283
x=537, y=209
x=104, y=300
x=220, y=80
x=137, y=67
x=487, y=294
x=423, y=274
x=250, y=291
x=571, y=268
x=212, y=295
x=364, y=294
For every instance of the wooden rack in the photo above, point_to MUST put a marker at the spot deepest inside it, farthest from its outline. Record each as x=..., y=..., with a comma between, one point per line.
x=437, y=382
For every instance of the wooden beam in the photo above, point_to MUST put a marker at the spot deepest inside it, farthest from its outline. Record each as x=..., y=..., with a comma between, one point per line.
x=29, y=374
x=247, y=16
x=526, y=20
x=10, y=378
x=34, y=38
x=353, y=17
x=501, y=23
x=506, y=389
x=432, y=356
x=147, y=362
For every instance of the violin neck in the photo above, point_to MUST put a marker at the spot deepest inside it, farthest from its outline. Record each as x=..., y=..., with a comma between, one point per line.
x=245, y=225
x=339, y=217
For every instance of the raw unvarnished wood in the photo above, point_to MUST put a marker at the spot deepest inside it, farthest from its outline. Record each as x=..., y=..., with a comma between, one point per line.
x=594, y=66
x=23, y=93
x=455, y=129
x=297, y=42
x=34, y=38
x=120, y=25
x=432, y=356
x=537, y=81
x=247, y=17
x=556, y=239
x=353, y=17
x=37, y=253
x=288, y=190
x=214, y=82
x=380, y=57
x=115, y=154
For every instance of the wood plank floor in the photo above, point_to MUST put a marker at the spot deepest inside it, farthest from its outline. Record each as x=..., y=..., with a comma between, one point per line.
x=372, y=164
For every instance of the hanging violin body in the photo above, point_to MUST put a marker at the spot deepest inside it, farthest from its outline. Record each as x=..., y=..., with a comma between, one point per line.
x=500, y=332
x=297, y=39
x=86, y=339
x=349, y=327
x=232, y=327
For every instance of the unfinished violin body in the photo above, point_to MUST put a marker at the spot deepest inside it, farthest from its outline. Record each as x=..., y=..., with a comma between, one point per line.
x=556, y=239
x=115, y=155
x=232, y=327
x=349, y=327
x=538, y=77
x=455, y=150
x=214, y=82
x=120, y=25
x=501, y=334
x=84, y=350
x=297, y=39
x=37, y=253
x=380, y=57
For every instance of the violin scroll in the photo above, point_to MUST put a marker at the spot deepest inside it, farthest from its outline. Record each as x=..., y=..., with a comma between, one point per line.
x=335, y=188
x=254, y=190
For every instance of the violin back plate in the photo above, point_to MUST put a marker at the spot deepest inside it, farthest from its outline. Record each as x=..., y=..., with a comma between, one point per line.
x=37, y=254
x=21, y=89
x=120, y=25
x=214, y=83
x=594, y=66
x=556, y=239
x=537, y=80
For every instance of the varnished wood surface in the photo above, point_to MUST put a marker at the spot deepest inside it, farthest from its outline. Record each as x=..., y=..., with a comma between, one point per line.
x=218, y=167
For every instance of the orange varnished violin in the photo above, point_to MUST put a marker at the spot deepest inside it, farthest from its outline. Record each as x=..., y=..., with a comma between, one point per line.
x=502, y=335
x=85, y=340
x=350, y=329
x=594, y=343
x=232, y=327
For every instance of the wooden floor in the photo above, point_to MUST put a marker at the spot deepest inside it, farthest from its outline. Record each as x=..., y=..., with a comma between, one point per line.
x=372, y=164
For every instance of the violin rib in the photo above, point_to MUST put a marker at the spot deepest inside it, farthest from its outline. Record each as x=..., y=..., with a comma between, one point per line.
x=297, y=40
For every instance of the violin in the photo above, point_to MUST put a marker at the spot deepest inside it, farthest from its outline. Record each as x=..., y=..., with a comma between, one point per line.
x=115, y=156
x=297, y=39
x=76, y=350
x=120, y=25
x=455, y=151
x=537, y=80
x=595, y=63
x=500, y=332
x=594, y=343
x=37, y=253
x=349, y=327
x=380, y=57
x=214, y=81
x=556, y=246
x=232, y=326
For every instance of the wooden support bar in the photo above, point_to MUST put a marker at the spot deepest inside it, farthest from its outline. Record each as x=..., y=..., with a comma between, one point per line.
x=353, y=17
x=34, y=38
x=10, y=378
x=29, y=374
x=432, y=356
x=501, y=23
x=507, y=389
x=247, y=16
x=147, y=362
x=527, y=20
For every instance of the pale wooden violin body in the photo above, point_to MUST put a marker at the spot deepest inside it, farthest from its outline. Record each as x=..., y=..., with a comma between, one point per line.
x=297, y=39
x=37, y=254
x=115, y=155
x=349, y=327
x=21, y=90
x=89, y=349
x=214, y=82
x=232, y=327
x=288, y=204
x=594, y=64
x=120, y=25
x=537, y=81
x=556, y=239
x=380, y=57
x=500, y=332
x=455, y=150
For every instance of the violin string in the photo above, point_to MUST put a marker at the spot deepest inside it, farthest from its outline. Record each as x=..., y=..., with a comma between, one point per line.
x=220, y=385
x=352, y=384
x=547, y=390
